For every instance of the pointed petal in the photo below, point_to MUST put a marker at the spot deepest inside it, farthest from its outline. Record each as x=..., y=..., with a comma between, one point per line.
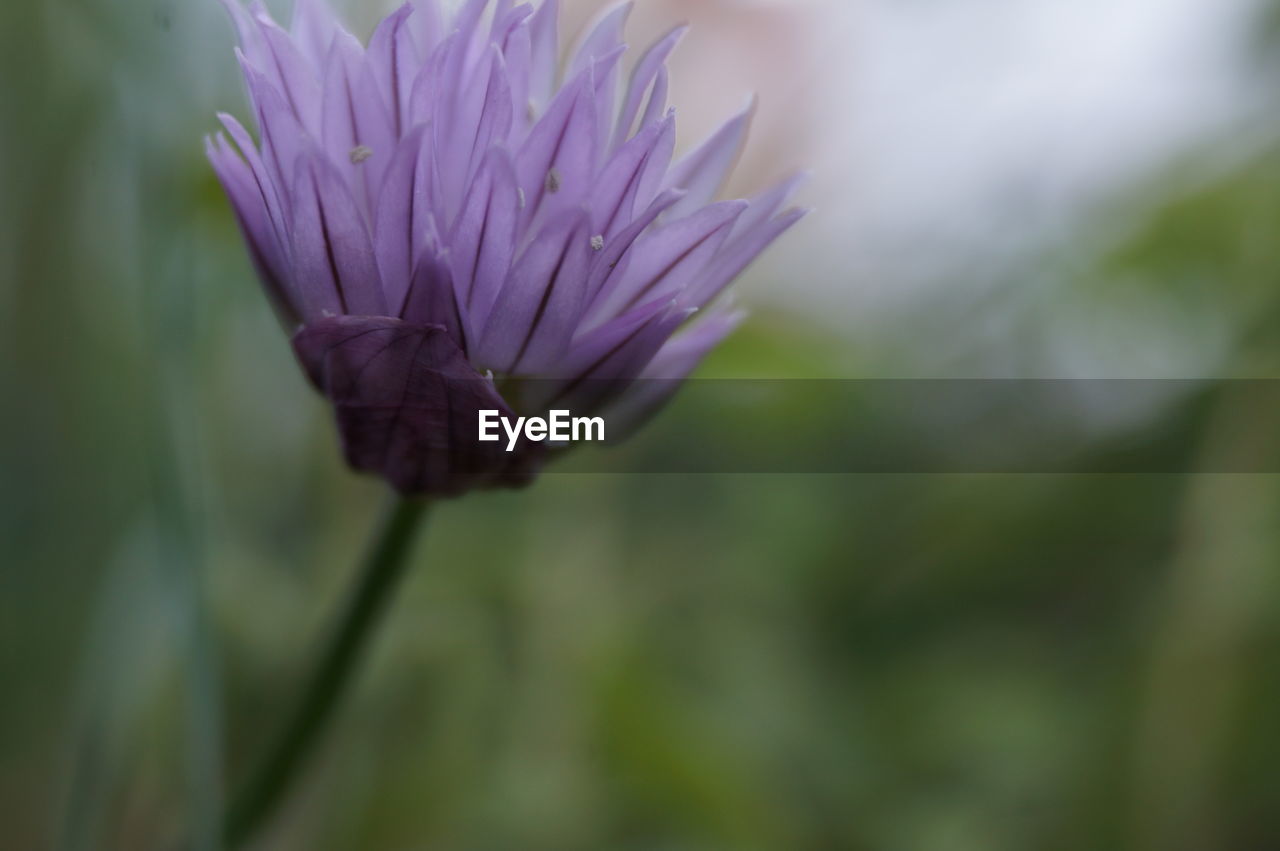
x=617, y=188
x=704, y=170
x=457, y=90
x=507, y=20
x=736, y=257
x=657, y=105
x=666, y=373
x=335, y=267
x=657, y=165
x=483, y=240
x=668, y=260
x=544, y=68
x=425, y=97
x=517, y=52
x=432, y=300
x=605, y=364
x=290, y=72
x=533, y=321
x=602, y=38
x=247, y=33
x=613, y=259
x=681, y=354
x=314, y=27
x=467, y=24
x=265, y=250
x=643, y=80
x=603, y=41
x=283, y=137
x=496, y=111
x=271, y=193
x=558, y=159
x=767, y=204
x=483, y=118
x=399, y=225
x=394, y=62
x=468, y=17
x=427, y=26
x=358, y=133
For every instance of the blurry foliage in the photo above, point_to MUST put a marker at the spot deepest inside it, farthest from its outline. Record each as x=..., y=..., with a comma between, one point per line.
x=607, y=661
x=1266, y=30
x=1214, y=247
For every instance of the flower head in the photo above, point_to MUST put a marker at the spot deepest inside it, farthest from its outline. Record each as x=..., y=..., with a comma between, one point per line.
x=453, y=209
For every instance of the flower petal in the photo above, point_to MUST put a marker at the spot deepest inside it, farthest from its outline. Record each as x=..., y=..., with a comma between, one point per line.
x=314, y=27
x=394, y=62
x=665, y=261
x=681, y=355
x=427, y=25
x=613, y=260
x=247, y=33
x=604, y=40
x=603, y=365
x=400, y=219
x=483, y=240
x=480, y=118
x=283, y=136
x=643, y=81
x=545, y=64
x=336, y=269
x=285, y=66
x=668, y=370
x=269, y=190
x=619, y=188
x=767, y=204
x=534, y=319
x=265, y=250
x=703, y=171
x=432, y=297
x=657, y=105
x=424, y=98
x=735, y=257
x=358, y=133
x=558, y=158
x=517, y=52
x=407, y=405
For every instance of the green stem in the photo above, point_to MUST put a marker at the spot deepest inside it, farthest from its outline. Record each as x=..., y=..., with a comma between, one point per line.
x=368, y=600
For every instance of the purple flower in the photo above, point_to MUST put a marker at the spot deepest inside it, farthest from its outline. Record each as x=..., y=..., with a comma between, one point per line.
x=450, y=211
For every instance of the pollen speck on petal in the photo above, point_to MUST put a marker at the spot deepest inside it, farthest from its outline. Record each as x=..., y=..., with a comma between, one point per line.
x=553, y=181
x=597, y=242
x=360, y=153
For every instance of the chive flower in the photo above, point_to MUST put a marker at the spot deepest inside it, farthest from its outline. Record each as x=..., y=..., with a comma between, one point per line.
x=453, y=213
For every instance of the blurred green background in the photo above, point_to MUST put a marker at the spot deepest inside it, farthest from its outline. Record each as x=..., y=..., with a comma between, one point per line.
x=604, y=661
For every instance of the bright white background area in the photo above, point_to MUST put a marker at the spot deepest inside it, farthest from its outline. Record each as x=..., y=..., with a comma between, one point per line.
x=947, y=134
